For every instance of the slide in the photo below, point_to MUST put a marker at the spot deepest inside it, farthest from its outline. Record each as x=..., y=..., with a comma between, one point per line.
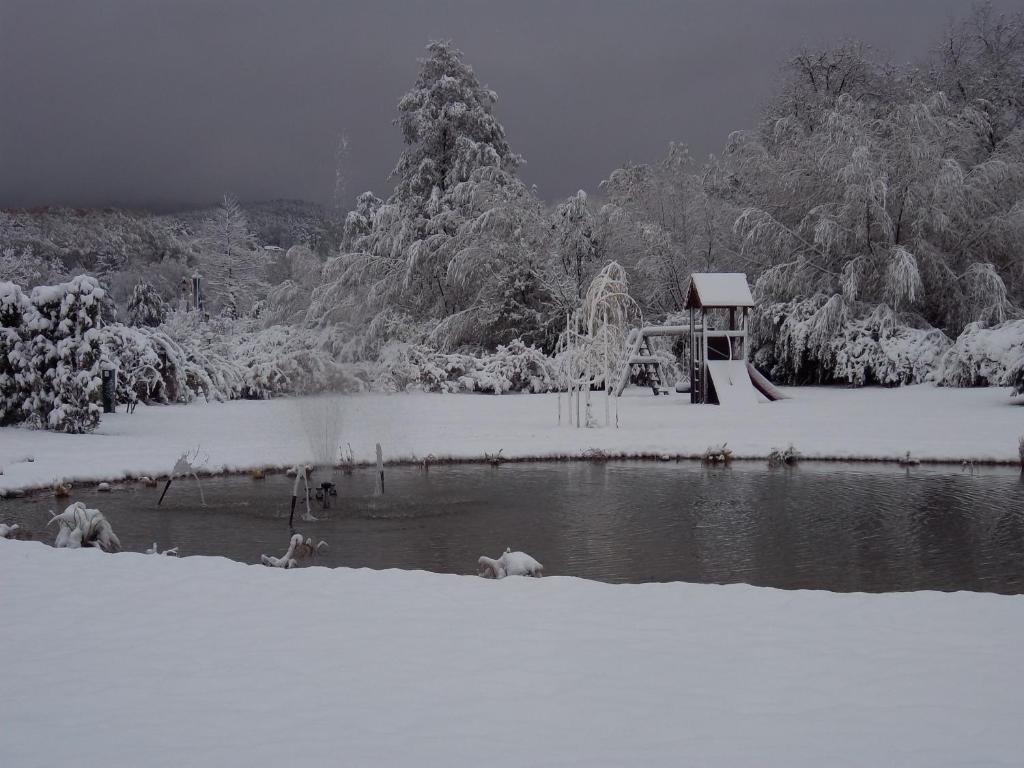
x=764, y=386
x=730, y=381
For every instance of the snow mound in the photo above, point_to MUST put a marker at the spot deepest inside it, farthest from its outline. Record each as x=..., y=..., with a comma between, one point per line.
x=510, y=564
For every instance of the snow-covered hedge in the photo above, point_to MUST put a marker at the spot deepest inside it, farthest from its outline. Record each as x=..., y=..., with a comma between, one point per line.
x=983, y=356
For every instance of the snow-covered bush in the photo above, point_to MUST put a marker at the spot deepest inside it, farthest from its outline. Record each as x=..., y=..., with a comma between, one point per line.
x=514, y=368
x=822, y=339
x=878, y=349
x=416, y=367
x=289, y=360
x=983, y=356
x=140, y=367
x=1015, y=377
x=82, y=527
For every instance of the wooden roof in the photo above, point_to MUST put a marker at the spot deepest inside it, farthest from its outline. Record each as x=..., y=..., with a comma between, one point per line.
x=718, y=289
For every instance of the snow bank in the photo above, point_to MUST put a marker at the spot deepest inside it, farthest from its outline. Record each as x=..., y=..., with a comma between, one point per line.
x=820, y=422
x=206, y=662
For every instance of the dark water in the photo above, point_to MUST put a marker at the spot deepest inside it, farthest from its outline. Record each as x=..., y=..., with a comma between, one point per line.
x=825, y=526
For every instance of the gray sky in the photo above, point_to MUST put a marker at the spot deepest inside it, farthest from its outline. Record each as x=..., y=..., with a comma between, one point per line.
x=178, y=101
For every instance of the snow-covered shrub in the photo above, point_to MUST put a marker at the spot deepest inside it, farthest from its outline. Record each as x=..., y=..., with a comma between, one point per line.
x=823, y=339
x=146, y=306
x=288, y=360
x=983, y=356
x=877, y=349
x=783, y=456
x=1015, y=377
x=417, y=367
x=82, y=527
x=514, y=368
x=140, y=368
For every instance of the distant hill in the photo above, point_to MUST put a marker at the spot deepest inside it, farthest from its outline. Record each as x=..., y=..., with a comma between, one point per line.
x=104, y=240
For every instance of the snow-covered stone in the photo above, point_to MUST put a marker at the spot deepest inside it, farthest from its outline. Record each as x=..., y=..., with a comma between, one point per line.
x=509, y=564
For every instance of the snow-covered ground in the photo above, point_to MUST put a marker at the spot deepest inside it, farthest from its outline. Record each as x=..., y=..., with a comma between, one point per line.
x=932, y=423
x=129, y=660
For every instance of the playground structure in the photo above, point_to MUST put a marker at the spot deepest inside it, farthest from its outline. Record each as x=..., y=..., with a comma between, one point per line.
x=716, y=356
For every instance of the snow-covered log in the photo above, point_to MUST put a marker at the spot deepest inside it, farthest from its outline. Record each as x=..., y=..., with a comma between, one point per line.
x=8, y=531
x=509, y=564
x=299, y=549
x=83, y=527
x=155, y=550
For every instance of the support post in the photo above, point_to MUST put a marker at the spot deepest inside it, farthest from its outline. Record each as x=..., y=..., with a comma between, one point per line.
x=380, y=468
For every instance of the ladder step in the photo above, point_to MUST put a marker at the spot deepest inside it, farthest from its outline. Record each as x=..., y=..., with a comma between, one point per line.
x=644, y=361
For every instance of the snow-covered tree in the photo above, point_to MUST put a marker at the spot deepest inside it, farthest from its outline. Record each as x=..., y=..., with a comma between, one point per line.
x=230, y=263
x=459, y=226
x=16, y=374
x=64, y=350
x=359, y=221
x=577, y=243
x=146, y=306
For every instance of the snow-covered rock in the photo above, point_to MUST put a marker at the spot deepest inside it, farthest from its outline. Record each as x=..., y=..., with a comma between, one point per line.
x=509, y=564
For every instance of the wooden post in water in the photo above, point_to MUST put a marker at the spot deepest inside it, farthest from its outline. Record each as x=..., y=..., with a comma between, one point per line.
x=380, y=468
x=169, y=479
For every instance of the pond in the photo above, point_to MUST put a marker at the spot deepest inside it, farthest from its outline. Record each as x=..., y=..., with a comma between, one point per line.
x=841, y=527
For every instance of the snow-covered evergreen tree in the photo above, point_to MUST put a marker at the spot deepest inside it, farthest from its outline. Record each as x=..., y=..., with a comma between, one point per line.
x=146, y=306
x=459, y=225
x=65, y=353
x=231, y=265
x=16, y=374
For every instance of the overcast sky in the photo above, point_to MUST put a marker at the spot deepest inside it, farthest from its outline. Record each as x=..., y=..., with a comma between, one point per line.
x=178, y=101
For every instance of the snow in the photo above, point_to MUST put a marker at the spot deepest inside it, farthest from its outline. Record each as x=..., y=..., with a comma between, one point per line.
x=821, y=422
x=206, y=662
x=732, y=383
x=719, y=289
x=509, y=564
